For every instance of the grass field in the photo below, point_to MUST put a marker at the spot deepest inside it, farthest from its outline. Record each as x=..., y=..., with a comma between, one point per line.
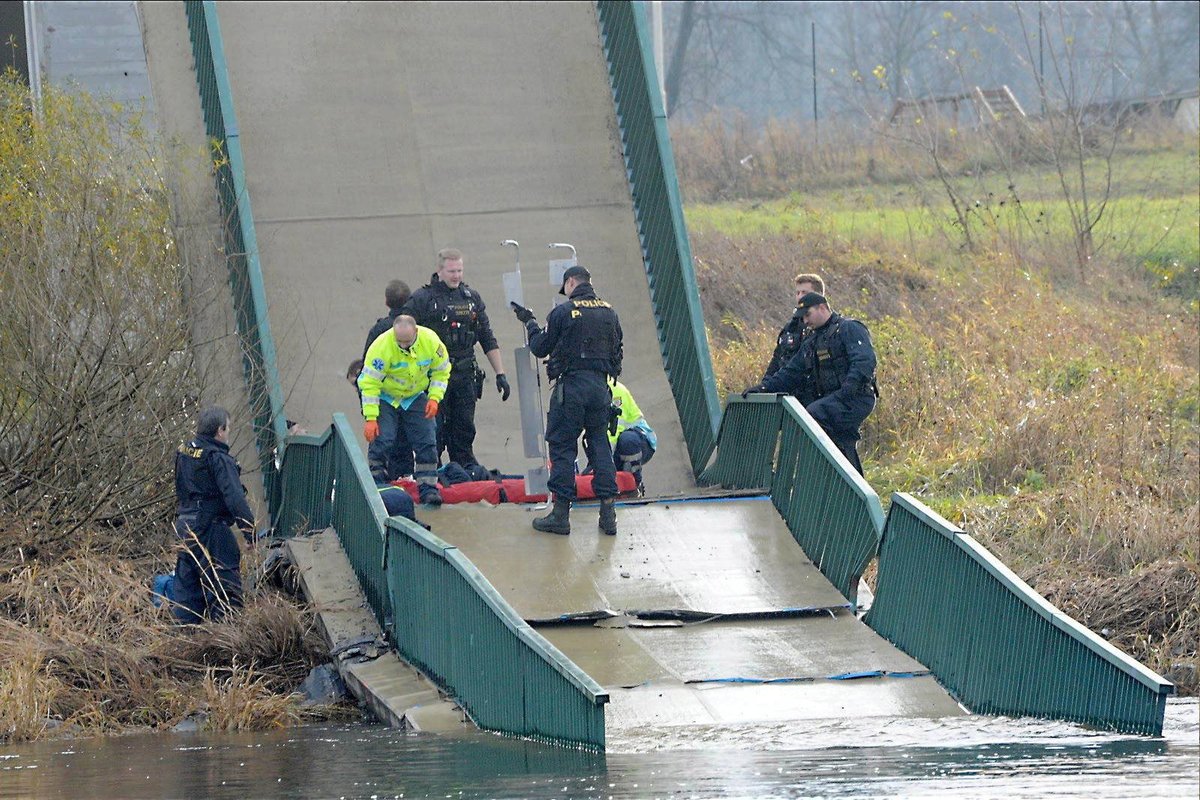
x=1050, y=408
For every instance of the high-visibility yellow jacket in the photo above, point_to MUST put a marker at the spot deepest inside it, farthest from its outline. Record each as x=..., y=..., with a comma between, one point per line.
x=397, y=376
x=631, y=415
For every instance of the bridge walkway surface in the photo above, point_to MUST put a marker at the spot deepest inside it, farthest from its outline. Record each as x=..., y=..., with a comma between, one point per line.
x=699, y=612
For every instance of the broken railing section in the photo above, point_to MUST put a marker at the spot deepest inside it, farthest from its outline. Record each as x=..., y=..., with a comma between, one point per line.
x=941, y=597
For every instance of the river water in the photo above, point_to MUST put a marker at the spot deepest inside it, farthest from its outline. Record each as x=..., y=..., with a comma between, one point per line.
x=961, y=757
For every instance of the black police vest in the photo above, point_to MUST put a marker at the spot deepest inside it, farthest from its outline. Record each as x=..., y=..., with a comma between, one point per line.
x=590, y=342
x=788, y=343
x=453, y=316
x=196, y=489
x=826, y=359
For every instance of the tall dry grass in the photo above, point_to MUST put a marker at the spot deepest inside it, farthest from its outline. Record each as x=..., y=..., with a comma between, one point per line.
x=1055, y=418
x=83, y=651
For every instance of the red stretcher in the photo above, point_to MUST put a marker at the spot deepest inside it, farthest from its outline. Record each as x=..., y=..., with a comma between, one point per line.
x=512, y=490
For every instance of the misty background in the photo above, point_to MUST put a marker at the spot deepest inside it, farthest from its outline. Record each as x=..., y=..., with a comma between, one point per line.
x=757, y=58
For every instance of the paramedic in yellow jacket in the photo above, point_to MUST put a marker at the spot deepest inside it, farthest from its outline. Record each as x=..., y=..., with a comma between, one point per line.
x=404, y=377
x=634, y=442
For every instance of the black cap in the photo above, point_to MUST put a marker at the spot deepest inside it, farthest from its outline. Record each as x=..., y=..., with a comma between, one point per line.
x=574, y=272
x=811, y=299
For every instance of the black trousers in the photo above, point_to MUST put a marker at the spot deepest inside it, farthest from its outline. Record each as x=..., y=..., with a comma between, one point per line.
x=840, y=417
x=456, y=419
x=579, y=404
x=208, y=579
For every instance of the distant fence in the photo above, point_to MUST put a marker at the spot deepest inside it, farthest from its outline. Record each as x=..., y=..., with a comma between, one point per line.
x=442, y=614
x=665, y=250
x=994, y=642
x=940, y=596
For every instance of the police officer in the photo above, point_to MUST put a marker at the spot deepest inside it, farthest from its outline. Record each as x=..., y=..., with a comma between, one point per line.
x=583, y=341
x=399, y=461
x=402, y=383
x=396, y=295
x=458, y=315
x=788, y=341
x=210, y=498
x=832, y=374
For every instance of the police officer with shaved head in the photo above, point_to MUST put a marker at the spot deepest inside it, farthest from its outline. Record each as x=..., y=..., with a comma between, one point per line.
x=582, y=339
x=832, y=374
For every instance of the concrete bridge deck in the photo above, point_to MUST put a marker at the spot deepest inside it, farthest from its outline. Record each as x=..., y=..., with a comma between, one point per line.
x=704, y=613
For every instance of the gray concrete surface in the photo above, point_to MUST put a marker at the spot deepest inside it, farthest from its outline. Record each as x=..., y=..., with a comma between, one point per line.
x=376, y=133
x=94, y=45
x=731, y=556
x=395, y=692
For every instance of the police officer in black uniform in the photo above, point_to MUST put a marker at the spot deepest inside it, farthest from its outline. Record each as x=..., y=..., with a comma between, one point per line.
x=210, y=497
x=788, y=341
x=583, y=341
x=458, y=315
x=832, y=374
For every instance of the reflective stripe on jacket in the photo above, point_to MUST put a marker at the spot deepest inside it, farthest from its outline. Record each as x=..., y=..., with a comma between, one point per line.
x=631, y=415
x=396, y=376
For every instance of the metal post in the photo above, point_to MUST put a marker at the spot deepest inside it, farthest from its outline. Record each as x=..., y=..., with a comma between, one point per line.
x=33, y=49
x=816, y=122
x=656, y=39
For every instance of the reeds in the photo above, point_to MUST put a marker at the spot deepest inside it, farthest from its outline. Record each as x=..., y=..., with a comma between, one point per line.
x=83, y=650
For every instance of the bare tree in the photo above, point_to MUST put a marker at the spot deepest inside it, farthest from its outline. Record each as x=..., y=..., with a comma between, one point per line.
x=721, y=50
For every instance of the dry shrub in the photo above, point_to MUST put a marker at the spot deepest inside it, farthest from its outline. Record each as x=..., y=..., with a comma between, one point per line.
x=746, y=283
x=1152, y=612
x=97, y=381
x=1056, y=420
x=272, y=635
x=83, y=649
x=27, y=695
x=240, y=699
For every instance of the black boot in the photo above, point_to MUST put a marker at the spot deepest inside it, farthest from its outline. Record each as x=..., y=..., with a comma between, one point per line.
x=608, y=516
x=558, y=520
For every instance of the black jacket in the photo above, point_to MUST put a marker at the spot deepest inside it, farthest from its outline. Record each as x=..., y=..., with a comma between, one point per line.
x=581, y=334
x=836, y=358
x=208, y=481
x=458, y=316
x=787, y=344
x=381, y=326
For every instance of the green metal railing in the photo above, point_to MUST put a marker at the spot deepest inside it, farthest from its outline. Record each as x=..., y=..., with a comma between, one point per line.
x=772, y=442
x=831, y=511
x=753, y=424
x=992, y=640
x=650, y=166
x=357, y=514
x=305, y=484
x=452, y=623
x=241, y=245
x=442, y=614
